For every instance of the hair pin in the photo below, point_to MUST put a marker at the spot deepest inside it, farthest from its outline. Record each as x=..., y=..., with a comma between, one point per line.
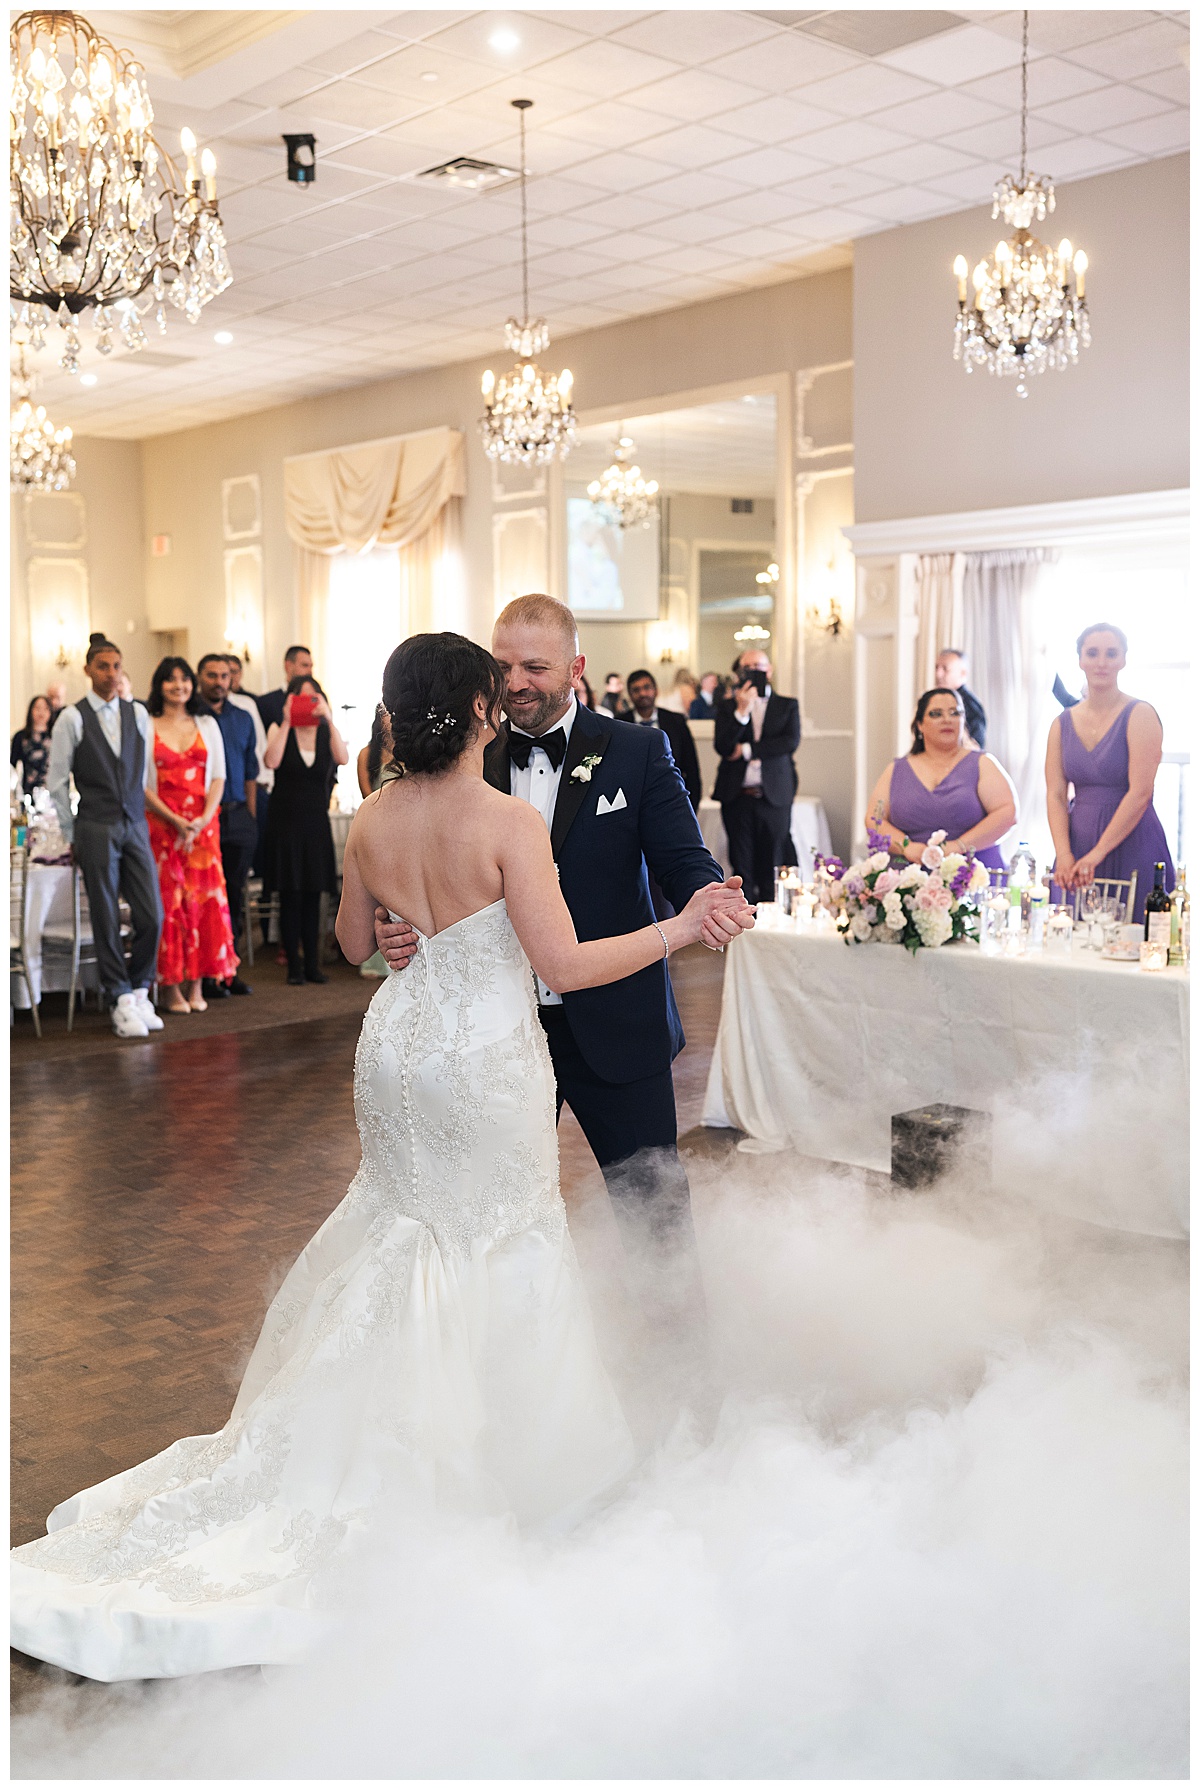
x=439, y=719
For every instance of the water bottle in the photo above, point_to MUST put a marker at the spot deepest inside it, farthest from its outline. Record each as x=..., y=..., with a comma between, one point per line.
x=1022, y=867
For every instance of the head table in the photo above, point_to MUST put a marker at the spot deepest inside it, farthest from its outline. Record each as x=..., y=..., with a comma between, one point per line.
x=1082, y=1063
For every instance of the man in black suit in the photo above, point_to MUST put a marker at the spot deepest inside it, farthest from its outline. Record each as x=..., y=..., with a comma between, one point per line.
x=756, y=733
x=643, y=694
x=617, y=813
x=297, y=662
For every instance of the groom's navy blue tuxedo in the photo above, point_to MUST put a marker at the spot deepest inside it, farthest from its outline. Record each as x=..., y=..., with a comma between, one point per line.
x=630, y=1029
x=612, y=1047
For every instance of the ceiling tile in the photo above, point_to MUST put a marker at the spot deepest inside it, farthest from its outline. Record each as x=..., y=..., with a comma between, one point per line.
x=611, y=125
x=867, y=88
x=908, y=204
x=769, y=167
x=916, y=164
x=834, y=223
x=695, y=37
x=348, y=102
x=403, y=72
x=703, y=226
x=694, y=94
x=755, y=208
x=341, y=58
x=1050, y=78
x=626, y=212
x=851, y=142
x=689, y=258
x=695, y=189
x=604, y=68
x=538, y=37
x=956, y=56
x=1000, y=142
x=694, y=146
x=1154, y=136
x=1077, y=157
x=622, y=173
x=1142, y=52
x=786, y=62
x=950, y=109
x=765, y=242
x=1172, y=83
x=837, y=186
x=1051, y=31
x=1096, y=113
x=775, y=119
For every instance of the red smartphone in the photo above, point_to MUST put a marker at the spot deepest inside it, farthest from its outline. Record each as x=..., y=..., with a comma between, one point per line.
x=304, y=709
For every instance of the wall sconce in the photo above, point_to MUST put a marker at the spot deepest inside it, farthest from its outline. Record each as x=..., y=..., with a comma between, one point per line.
x=240, y=644
x=666, y=641
x=61, y=658
x=825, y=610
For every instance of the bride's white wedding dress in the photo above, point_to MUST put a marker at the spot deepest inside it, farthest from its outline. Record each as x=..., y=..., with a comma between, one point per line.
x=433, y=1341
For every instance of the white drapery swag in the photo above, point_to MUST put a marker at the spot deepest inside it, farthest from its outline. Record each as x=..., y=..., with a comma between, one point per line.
x=1010, y=670
x=405, y=492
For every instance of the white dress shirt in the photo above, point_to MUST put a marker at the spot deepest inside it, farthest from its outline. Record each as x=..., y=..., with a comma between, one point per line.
x=266, y=778
x=754, y=720
x=538, y=785
x=65, y=740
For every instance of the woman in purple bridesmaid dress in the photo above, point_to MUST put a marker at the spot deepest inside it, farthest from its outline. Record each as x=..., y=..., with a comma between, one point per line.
x=943, y=785
x=1107, y=749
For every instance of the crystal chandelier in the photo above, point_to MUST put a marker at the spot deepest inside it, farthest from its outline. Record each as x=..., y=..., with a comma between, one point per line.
x=100, y=218
x=39, y=455
x=528, y=419
x=630, y=499
x=1025, y=317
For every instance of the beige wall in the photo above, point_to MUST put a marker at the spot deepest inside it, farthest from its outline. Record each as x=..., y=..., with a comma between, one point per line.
x=105, y=508
x=928, y=440
x=770, y=330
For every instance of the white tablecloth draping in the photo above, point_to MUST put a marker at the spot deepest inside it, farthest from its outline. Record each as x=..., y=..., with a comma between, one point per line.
x=810, y=832
x=47, y=901
x=1083, y=1064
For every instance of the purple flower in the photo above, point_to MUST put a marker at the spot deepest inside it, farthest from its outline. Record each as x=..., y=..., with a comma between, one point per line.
x=878, y=841
x=961, y=878
x=834, y=866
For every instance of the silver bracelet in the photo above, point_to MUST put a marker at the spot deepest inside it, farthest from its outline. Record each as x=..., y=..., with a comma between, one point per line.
x=662, y=935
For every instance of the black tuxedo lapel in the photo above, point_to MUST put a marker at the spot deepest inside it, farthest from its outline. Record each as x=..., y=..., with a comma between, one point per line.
x=587, y=740
x=496, y=770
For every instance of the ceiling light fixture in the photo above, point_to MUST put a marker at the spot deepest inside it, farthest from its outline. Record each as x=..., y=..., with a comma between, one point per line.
x=528, y=419
x=630, y=499
x=504, y=41
x=100, y=216
x=751, y=632
x=223, y=338
x=39, y=455
x=89, y=379
x=1026, y=317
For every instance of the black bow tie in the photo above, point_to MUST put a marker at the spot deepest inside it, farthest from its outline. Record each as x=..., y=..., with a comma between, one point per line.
x=553, y=744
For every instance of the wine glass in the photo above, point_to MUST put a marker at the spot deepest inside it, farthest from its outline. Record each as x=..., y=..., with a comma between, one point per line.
x=1091, y=911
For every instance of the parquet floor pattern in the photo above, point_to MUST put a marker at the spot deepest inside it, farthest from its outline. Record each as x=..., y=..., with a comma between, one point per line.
x=159, y=1194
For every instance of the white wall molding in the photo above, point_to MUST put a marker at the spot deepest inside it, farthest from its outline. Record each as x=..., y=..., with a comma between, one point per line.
x=1152, y=515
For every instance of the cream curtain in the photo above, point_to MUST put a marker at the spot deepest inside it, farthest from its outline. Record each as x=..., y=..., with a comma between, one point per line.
x=1009, y=669
x=403, y=492
x=939, y=614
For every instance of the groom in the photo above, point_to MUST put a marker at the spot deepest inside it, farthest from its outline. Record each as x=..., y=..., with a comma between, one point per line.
x=615, y=805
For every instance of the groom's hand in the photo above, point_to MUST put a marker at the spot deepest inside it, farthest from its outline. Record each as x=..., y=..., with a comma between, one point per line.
x=395, y=938
x=724, y=923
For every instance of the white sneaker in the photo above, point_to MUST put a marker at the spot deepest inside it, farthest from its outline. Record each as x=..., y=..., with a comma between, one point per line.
x=145, y=1010
x=127, y=1021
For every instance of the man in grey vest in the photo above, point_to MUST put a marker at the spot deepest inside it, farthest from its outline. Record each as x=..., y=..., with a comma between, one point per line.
x=105, y=744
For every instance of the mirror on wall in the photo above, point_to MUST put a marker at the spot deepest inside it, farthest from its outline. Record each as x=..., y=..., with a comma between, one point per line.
x=694, y=581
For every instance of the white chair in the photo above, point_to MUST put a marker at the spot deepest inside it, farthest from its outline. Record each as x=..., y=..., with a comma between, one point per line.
x=73, y=938
x=1112, y=888
x=18, y=883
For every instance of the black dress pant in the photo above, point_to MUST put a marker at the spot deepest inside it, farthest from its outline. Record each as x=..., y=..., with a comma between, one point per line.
x=760, y=837
x=631, y=1130
x=300, y=924
x=117, y=860
x=239, y=836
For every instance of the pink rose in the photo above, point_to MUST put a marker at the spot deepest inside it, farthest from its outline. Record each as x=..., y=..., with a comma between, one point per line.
x=940, y=897
x=924, y=899
x=932, y=856
x=886, y=883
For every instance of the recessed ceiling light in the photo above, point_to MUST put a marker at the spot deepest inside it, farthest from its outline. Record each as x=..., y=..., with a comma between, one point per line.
x=504, y=40
x=223, y=337
x=89, y=378
x=429, y=75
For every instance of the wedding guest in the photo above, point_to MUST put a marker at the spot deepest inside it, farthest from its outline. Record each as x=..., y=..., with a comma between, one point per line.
x=298, y=858
x=297, y=662
x=246, y=699
x=125, y=687
x=646, y=712
x=56, y=693
x=704, y=706
x=756, y=733
x=950, y=672
x=583, y=692
x=240, y=726
x=183, y=793
x=31, y=745
x=614, y=698
x=1101, y=760
x=682, y=693
x=107, y=746
x=235, y=680
x=375, y=759
x=943, y=785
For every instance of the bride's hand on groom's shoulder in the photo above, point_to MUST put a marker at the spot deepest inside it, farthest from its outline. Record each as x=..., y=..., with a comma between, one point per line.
x=395, y=938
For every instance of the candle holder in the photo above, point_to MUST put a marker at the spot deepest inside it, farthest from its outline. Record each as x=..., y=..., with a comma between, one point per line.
x=1153, y=955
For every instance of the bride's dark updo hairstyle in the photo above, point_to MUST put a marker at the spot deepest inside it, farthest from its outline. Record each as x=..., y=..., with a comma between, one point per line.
x=429, y=688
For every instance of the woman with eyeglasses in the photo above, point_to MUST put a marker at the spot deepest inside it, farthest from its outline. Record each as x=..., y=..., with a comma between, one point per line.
x=943, y=785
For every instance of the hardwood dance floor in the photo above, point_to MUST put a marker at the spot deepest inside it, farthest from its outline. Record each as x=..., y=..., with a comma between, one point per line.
x=161, y=1189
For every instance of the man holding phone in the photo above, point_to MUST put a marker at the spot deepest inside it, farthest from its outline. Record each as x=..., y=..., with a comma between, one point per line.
x=756, y=734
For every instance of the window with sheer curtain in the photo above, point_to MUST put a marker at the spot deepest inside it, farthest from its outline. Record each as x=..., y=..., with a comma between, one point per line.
x=367, y=621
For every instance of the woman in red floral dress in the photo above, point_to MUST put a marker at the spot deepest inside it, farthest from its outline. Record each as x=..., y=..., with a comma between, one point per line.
x=183, y=796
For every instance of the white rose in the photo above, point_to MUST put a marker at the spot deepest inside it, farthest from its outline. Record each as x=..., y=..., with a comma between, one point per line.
x=860, y=926
x=932, y=856
x=979, y=876
x=893, y=908
x=878, y=860
x=952, y=862
x=911, y=878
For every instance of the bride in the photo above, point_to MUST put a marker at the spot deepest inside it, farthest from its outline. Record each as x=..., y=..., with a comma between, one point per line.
x=433, y=1341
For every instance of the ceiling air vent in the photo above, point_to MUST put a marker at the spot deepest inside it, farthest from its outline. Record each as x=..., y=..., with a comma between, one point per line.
x=467, y=171
x=867, y=33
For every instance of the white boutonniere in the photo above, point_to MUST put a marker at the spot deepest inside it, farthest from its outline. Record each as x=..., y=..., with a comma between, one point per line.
x=583, y=770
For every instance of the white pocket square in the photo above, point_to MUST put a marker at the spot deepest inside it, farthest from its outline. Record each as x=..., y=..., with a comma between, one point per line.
x=604, y=806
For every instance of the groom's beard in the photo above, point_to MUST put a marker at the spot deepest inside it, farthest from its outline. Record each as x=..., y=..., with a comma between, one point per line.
x=533, y=711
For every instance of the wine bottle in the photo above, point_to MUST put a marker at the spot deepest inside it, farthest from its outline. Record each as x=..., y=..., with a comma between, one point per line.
x=1158, y=911
x=1180, y=921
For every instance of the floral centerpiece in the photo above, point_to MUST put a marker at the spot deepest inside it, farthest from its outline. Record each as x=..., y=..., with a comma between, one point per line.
x=893, y=902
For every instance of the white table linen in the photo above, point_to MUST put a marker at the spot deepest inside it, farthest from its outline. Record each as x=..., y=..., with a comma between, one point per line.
x=47, y=902
x=1083, y=1064
x=810, y=831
